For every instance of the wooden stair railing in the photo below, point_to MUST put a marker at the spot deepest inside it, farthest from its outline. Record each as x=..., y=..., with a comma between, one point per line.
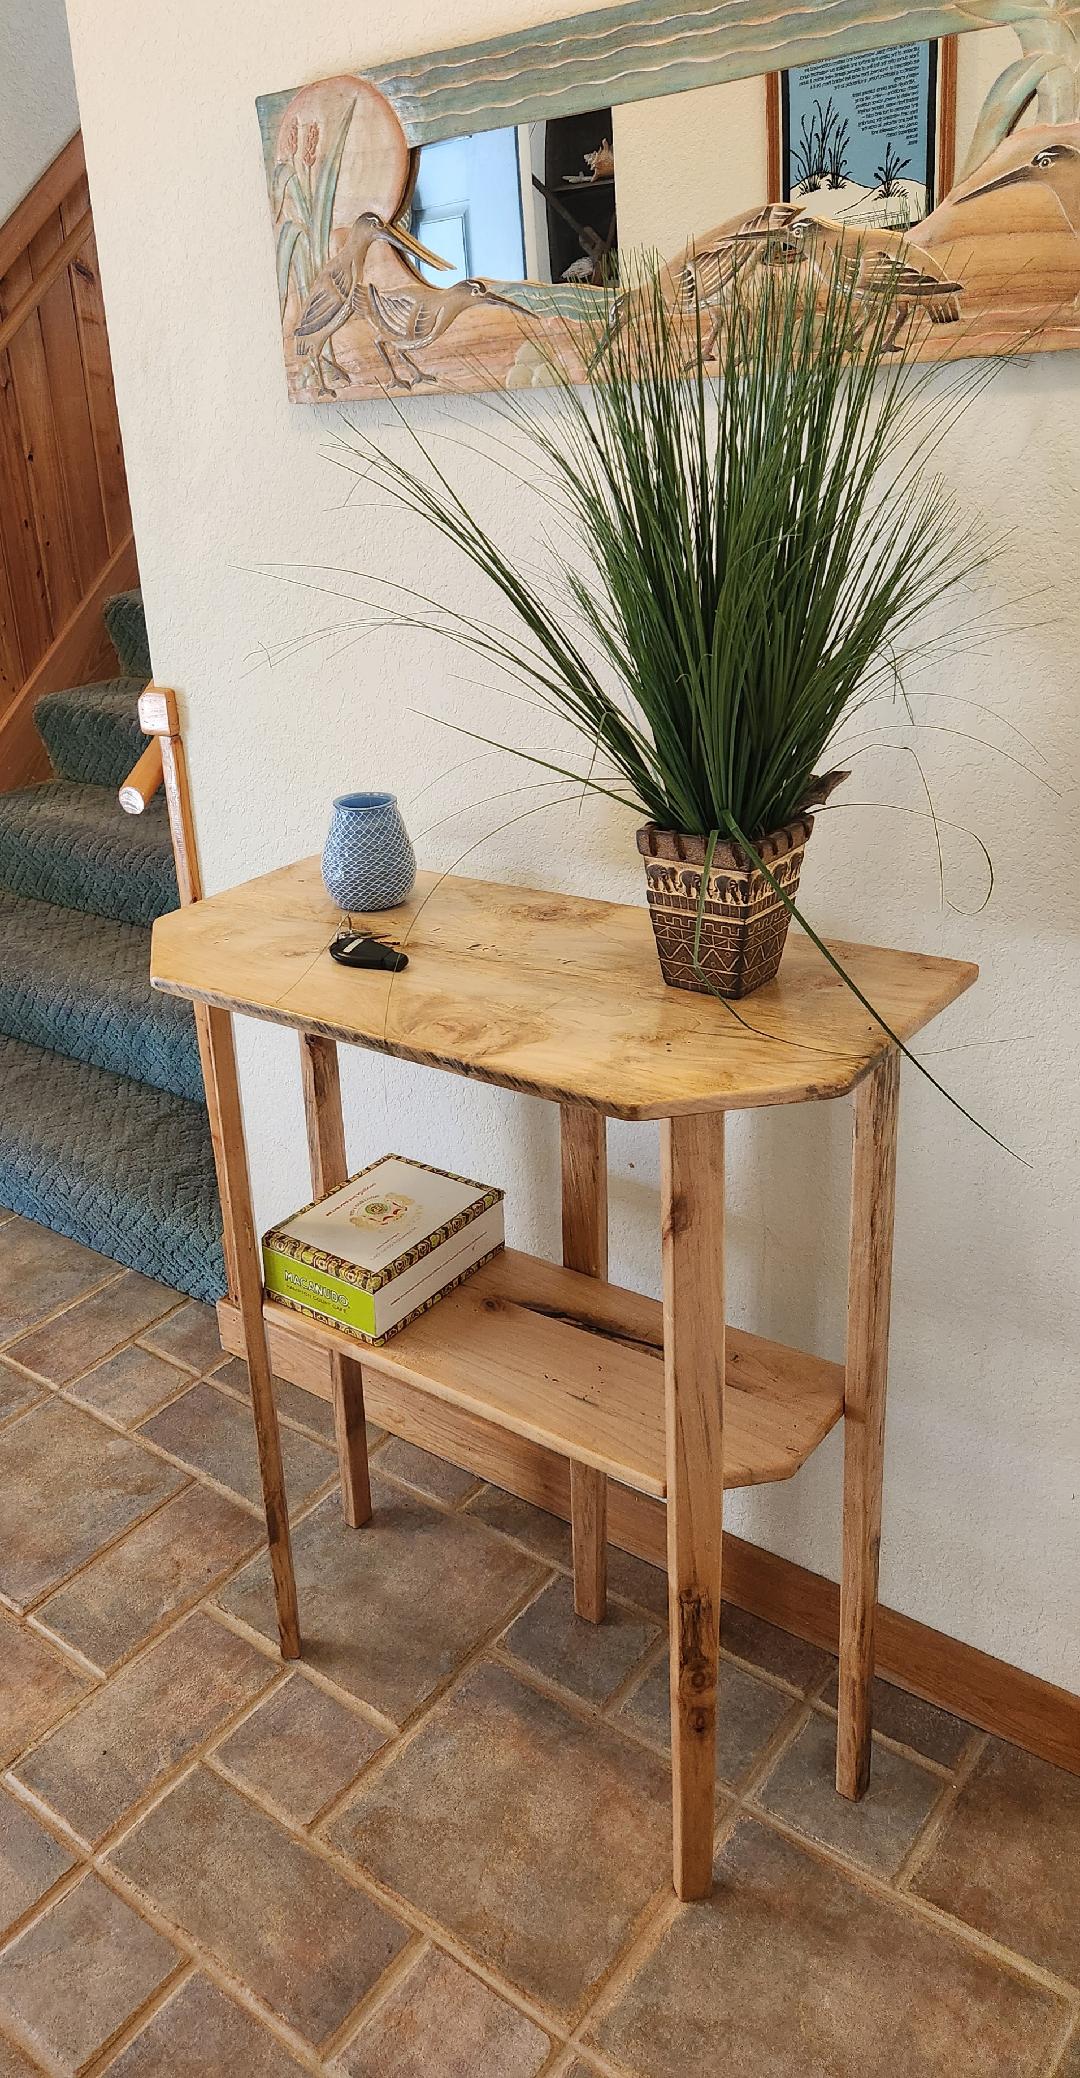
x=159, y=717
x=145, y=777
x=65, y=524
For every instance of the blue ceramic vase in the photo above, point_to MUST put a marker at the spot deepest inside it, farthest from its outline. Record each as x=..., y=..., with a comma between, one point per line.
x=367, y=860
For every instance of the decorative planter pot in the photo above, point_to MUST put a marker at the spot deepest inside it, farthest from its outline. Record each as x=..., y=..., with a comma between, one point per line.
x=744, y=923
x=367, y=860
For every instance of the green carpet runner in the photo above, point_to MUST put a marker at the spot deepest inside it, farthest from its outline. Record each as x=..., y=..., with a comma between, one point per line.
x=103, y=1128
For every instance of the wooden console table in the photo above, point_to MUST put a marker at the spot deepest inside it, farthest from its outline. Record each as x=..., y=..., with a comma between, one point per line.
x=562, y=999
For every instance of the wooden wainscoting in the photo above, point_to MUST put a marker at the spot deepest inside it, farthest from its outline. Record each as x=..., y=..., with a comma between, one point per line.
x=65, y=526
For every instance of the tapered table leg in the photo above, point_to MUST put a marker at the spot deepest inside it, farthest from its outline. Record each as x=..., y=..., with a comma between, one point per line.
x=245, y=1259
x=329, y=1170
x=585, y=1248
x=873, y=1184
x=692, y=1210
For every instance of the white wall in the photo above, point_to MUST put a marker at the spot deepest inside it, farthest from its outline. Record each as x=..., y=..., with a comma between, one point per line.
x=38, y=110
x=226, y=479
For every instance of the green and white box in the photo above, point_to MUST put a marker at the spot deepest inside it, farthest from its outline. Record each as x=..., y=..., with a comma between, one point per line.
x=383, y=1248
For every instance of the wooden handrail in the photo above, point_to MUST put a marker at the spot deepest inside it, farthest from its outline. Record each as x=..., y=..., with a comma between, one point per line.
x=56, y=265
x=159, y=717
x=143, y=780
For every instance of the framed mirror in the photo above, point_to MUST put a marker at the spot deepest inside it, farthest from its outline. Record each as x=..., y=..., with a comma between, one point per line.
x=451, y=221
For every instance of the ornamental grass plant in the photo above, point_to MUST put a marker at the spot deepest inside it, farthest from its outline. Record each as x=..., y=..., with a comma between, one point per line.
x=757, y=541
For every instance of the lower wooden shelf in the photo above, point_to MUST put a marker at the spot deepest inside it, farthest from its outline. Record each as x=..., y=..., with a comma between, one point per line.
x=577, y=1365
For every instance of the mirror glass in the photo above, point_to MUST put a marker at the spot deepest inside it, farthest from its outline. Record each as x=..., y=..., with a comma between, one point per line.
x=533, y=203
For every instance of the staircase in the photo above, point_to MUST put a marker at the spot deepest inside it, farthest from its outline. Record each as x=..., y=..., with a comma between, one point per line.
x=103, y=1128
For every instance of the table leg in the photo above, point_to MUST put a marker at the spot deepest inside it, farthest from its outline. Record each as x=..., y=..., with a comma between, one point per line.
x=245, y=1258
x=329, y=1170
x=585, y=1248
x=873, y=1183
x=692, y=1211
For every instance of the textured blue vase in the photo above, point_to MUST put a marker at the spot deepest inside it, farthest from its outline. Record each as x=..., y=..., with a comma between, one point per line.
x=367, y=860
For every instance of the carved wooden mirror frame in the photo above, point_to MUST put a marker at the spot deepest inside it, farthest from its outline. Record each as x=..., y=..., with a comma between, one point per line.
x=359, y=318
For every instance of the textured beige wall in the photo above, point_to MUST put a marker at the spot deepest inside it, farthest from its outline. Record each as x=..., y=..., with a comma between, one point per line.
x=226, y=479
x=38, y=110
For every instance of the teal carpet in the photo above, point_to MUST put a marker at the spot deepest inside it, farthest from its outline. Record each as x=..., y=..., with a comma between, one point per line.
x=92, y=733
x=103, y=1128
x=74, y=846
x=126, y=623
x=110, y=1162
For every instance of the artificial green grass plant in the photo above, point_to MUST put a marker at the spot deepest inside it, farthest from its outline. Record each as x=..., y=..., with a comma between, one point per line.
x=754, y=541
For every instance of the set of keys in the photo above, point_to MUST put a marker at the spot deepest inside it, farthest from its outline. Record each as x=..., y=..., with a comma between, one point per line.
x=358, y=949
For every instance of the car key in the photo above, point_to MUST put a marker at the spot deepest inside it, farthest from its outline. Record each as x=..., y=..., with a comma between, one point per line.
x=354, y=949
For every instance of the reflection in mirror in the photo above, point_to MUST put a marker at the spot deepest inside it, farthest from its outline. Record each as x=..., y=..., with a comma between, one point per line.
x=868, y=138
x=472, y=260
x=533, y=203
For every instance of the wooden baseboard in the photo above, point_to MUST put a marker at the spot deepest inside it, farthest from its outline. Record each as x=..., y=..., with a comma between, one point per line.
x=993, y=1695
x=75, y=656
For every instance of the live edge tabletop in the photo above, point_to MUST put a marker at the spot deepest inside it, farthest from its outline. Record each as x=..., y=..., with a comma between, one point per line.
x=549, y=994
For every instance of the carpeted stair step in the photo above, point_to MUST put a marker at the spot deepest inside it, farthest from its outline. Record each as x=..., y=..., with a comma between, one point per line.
x=92, y=733
x=122, y=1168
x=80, y=985
x=126, y=624
x=73, y=846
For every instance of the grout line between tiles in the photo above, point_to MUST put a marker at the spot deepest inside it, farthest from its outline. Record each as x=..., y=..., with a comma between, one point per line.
x=558, y=2063
x=196, y=1472
x=114, y=1348
x=625, y=1965
x=72, y=1396
x=936, y=1820
x=374, y=1998
x=653, y=1656
x=414, y=1722
x=925, y=1761
x=142, y=1806
x=157, y=1631
x=8, y=1421
x=194, y=1371
x=208, y=1962
x=118, y=2041
x=45, y=1902
x=31, y=1327
x=1069, y=2038
x=931, y=1915
x=287, y=1421
x=772, y=1753
x=406, y=1912
x=31, y=1608
x=272, y=1651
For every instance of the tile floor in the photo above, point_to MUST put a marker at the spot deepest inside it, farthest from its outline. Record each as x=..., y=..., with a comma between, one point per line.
x=439, y=1847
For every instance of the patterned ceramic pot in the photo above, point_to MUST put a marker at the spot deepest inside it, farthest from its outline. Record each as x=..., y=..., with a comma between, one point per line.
x=744, y=923
x=367, y=860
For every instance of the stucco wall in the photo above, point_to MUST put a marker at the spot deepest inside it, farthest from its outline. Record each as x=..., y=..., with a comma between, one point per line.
x=226, y=479
x=38, y=110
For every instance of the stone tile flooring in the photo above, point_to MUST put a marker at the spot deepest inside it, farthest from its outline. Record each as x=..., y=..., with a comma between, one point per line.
x=439, y=1847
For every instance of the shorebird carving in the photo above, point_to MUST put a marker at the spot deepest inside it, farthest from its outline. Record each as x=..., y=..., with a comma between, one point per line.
x=1055, y=167
x=336, y=293
x=705, y=273
x=880, y=266
x=412, y=318
x=708, y=273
